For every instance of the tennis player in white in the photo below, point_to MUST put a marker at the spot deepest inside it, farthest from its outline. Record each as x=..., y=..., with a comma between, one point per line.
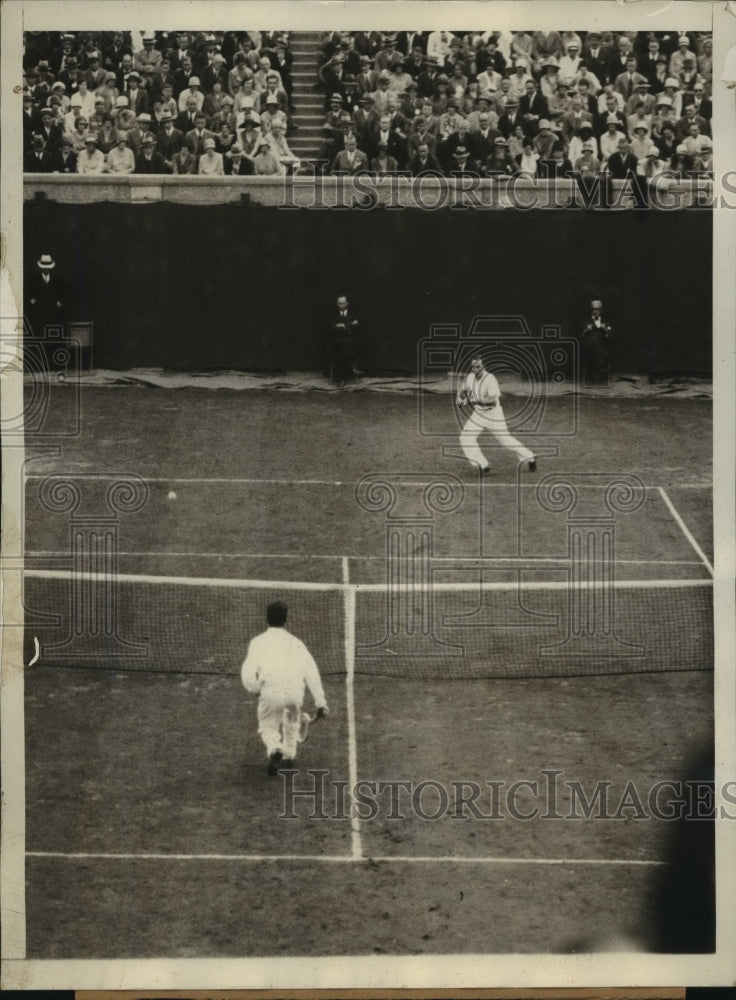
x=278, y=667
x=480, y=390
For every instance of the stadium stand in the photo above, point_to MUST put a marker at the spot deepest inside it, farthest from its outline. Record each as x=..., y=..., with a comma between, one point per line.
x=278, y=102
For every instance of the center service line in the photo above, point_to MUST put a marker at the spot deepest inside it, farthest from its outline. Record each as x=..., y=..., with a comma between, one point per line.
x=349, y=602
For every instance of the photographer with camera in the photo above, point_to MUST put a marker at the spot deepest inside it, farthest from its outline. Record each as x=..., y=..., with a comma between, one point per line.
x=595, y=346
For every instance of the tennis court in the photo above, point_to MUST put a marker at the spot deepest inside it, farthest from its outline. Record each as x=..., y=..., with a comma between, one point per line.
x=466, y=643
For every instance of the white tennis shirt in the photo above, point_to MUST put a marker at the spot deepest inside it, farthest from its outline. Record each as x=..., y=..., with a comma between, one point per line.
x=279, y=666
x=482, y=390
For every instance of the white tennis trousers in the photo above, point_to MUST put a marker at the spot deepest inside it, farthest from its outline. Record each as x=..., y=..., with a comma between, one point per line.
x=493, y=422
x=278, y=724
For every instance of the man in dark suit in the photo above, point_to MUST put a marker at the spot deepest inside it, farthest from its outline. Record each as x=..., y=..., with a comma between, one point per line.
x=344, y=327
x=424, y=163
x=618, y=58
x=112, y=54
x=414, y=64
x=196, y=138
x=460, y=163
x=595, y=344
x=350, y=160
x=408, y=41
x=647, y=63
x=148, y=160
x=137, y=97
x=50, y=132
x=532, y=108
x=590, y=104
x=332, y=76
x=187, y=120
x=64, y=160
x=622, y=162
x=703, y=104
x=427, y=80
x=510, y=118
x=37, y=160
x=31, y=121
x=389, y=133
x=596, y=57
x=45, y=306
x=169, y=140
x=627, y=82
x=481, y=142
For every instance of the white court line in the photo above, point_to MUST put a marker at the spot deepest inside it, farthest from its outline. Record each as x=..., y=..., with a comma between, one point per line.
x=685, y=529
x=187, y=581
x=356, y=846
x=243, y=481
x=340, y=859
x=481, y=560
x=352, y=588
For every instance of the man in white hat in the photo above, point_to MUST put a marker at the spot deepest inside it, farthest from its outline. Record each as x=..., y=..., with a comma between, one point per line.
x=148, y=57
x=595, y=342
x=137, y=97
x=169, y=140
x=45, y=298
x=50, y=131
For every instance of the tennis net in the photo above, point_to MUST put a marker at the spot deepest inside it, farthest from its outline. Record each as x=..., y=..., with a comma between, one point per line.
x=439, y=631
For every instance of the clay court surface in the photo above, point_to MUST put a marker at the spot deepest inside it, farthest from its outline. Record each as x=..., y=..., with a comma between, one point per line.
x=152, y=827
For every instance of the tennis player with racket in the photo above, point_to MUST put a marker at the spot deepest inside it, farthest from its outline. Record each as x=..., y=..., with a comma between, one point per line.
x=479, y=390
x=278, y=668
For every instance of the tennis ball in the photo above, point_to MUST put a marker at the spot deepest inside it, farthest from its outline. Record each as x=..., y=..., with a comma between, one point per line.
x=172, y=495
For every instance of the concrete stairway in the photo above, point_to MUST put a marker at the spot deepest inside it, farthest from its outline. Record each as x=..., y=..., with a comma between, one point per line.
x=309, y=113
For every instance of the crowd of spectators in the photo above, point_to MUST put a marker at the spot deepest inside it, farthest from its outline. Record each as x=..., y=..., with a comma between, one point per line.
x=158, y=102
x=504, y=103
x=440, y=102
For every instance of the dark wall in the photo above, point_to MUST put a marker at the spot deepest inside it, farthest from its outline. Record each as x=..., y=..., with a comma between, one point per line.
x=225, y=286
